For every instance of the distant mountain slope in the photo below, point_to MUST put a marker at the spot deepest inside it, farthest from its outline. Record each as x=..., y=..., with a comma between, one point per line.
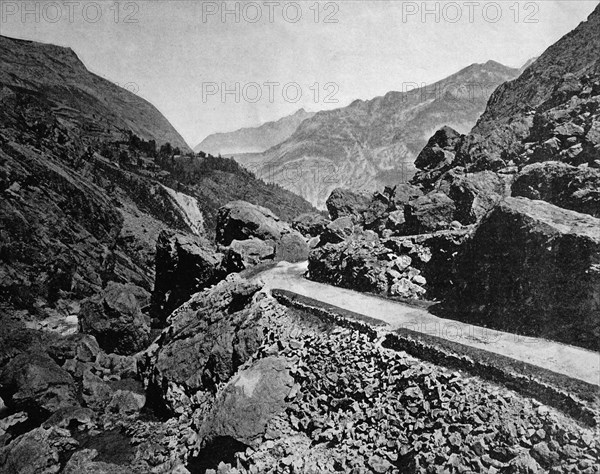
x=374, y=143
x=253, y=139
x=100, y=106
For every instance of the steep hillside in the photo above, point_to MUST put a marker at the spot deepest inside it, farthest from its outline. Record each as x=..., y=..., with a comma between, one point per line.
x=567, y=69
x=373, y=143
x=87, y=186
x=100, y=108
x=253, y=139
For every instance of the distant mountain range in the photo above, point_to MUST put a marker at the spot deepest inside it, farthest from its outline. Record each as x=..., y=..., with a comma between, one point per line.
x=253, y=139
x=373, y=143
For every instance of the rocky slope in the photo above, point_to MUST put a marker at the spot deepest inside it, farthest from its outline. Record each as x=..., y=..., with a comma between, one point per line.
x=548, y=111
x=373, y=143
x=253, y=139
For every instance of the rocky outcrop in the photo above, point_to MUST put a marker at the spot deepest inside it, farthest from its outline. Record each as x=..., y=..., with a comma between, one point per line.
x=561, y=184
x=114, y=317
x=240, y=221
x=437, y=157
x=411, y=267
x=250, y=400
x=208, y=338
x=532, y=268
x=185, y=264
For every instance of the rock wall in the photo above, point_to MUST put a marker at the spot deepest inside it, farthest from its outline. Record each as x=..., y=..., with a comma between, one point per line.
x=533, y=268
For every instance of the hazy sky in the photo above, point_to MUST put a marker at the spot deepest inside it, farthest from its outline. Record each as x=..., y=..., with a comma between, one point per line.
x=178, y=54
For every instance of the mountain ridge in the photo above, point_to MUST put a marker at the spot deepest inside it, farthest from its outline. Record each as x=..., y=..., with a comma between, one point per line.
x=253, y=139
x=373, y=143
x=65, y=79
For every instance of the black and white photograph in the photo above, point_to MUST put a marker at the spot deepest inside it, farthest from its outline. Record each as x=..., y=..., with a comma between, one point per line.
x=299, y=237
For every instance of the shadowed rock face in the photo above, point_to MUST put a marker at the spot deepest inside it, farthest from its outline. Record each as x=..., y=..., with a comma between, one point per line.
x=533, y=268
x=114, y=317
x=185, y=264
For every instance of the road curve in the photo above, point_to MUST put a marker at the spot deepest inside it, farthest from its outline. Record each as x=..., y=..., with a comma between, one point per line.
x=567, y=360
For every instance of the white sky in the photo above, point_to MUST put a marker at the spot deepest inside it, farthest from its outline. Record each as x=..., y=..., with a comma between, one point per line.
x=171, y=53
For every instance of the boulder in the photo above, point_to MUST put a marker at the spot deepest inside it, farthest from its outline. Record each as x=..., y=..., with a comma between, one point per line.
x=337, y=231
x=208, y=338
x=310, y=225
x=429, y=213
x=343, y=202
x=292, y=247
x=249, y=401
x=439, y=149
x=561, y=184
x=243, y=254
x=39, y=451
x=240, y=220
x=185, y=264
x=532, y=268
x=475, y=194
x=34, y=382
x=114, y=317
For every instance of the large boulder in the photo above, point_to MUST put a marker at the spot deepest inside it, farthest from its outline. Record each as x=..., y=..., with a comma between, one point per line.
x=185, y=264
x=114, y=317
x=429, y=213
x=35, y=383
x=533, y=268
x=292, y=247
x=241, y=221
x=475, y=194
x=41, y=450
x=243, y=254
x=343, y=202
x=208, y=338
x=310, y=225
x=249, y=401
x=561, y=184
